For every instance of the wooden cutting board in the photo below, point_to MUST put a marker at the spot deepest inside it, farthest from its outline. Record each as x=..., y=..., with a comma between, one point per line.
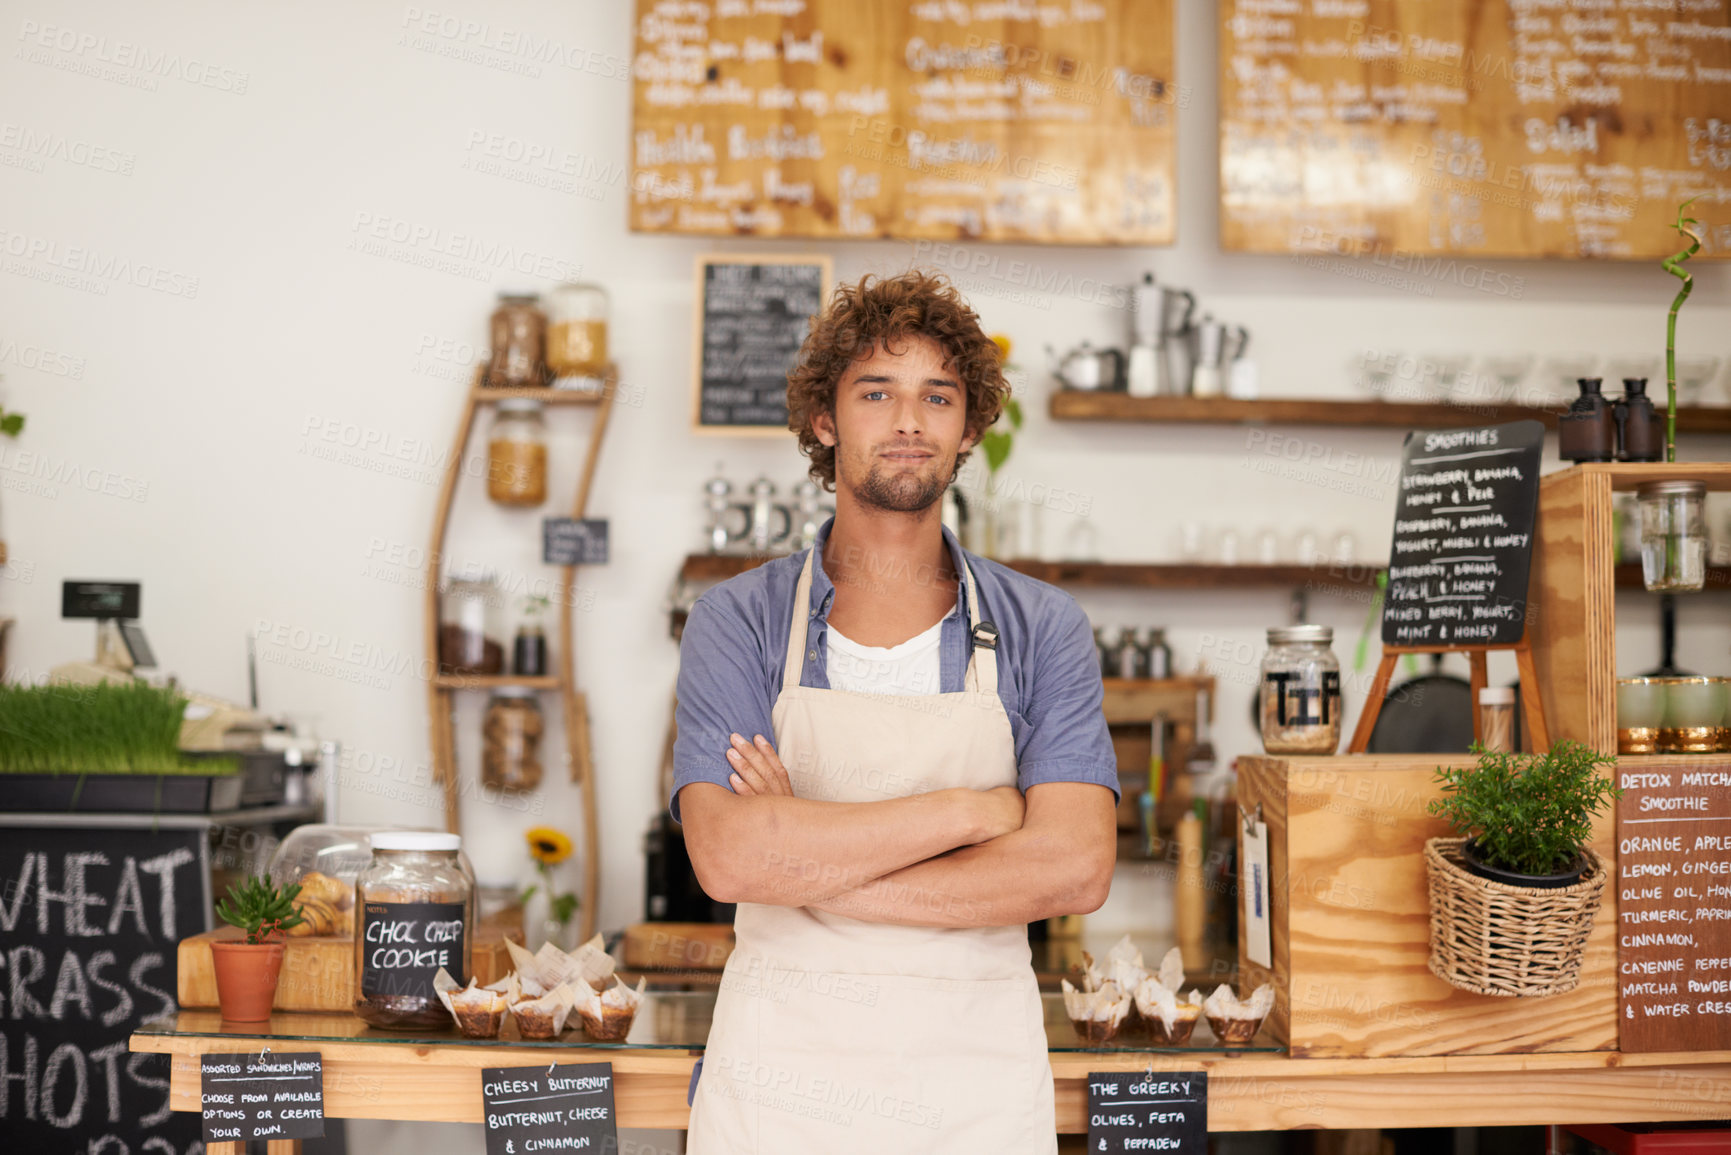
x=318, y=974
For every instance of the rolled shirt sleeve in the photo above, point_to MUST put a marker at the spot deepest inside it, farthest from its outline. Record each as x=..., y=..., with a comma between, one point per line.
x=1064, y=738
x=723, y=689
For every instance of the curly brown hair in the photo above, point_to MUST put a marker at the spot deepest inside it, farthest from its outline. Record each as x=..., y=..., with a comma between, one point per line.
x=863, y=316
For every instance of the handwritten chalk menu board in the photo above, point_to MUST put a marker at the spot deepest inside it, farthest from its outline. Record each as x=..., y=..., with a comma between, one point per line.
x=925, y=119
x=263, y=1096
x=90, y=917
x=1148, y=1111
x=752, y=317
x=1674, y=904
x=549, y=1108
x=1463, y=537
x=403, y=945
x=1571, y=128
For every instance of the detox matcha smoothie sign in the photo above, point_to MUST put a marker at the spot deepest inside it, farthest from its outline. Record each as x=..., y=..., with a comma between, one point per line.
x=1463, y=537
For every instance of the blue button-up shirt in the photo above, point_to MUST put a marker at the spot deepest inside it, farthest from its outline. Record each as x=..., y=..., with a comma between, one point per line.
x=734, y=647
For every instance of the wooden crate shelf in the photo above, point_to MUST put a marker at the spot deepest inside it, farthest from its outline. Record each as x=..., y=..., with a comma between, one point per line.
x=1350, y=921
x=1088, y=405
x=1572, y=593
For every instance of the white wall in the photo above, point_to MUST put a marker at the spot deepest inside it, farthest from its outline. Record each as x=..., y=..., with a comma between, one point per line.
x=175, y=438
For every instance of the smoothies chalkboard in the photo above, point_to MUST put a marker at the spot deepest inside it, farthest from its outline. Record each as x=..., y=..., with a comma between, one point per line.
x=752, y=317
x=1463, y=537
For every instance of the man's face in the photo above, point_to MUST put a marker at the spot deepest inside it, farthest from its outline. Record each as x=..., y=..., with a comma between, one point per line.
x=900, y=422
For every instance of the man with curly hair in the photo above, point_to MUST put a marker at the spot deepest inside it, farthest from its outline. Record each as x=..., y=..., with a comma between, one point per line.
x=891, y=755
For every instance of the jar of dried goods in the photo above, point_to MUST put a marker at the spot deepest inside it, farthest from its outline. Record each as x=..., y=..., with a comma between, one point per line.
x=517, y=454
x=518, y=333
x=511, y=740
x=1300, y=692
x=416, y=907
x=577, y=330
x=469, y=629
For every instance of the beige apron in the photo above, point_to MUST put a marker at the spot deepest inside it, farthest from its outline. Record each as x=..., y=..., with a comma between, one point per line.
x=833, y=1035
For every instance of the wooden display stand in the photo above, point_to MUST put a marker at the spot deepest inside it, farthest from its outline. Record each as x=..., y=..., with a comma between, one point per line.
x=441, y=688
x=1532, y=707
x=1350, y=922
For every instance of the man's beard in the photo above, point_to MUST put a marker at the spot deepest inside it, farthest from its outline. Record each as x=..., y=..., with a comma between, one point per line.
x=902, y=492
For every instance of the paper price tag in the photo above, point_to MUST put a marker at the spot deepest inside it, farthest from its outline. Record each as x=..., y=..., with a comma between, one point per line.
x=1253, y=880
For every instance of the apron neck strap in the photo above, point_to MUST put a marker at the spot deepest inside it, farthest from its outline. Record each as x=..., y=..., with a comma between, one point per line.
x=982, y=643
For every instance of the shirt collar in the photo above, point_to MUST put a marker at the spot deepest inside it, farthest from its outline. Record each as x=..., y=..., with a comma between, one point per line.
x=823, y=590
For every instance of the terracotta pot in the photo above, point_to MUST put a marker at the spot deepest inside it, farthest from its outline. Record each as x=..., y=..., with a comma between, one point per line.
x=246, y=977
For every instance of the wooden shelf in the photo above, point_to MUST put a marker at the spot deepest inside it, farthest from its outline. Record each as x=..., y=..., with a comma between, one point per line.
x=1135, y=701
x=546, y=395
x=1087, y=405
x=495, y=681
x=1629, y=577
x=1142, y=575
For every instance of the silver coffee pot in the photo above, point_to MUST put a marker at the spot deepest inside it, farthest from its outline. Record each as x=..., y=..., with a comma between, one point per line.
x=1175, y=359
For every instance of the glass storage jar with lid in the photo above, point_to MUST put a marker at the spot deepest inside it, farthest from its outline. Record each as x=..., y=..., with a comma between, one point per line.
x=511, y=740
x=1673, y=534
x=518, y=334
x=517, y=453
x=577, y=330
x=1300, y=695
x=469, y=628
x=416, y=906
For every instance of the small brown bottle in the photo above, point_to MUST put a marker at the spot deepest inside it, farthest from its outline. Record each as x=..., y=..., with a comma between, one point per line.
x=1642, y=430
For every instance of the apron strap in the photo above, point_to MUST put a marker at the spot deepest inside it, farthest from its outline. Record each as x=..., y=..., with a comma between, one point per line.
x=795, y=665
x=982, y=676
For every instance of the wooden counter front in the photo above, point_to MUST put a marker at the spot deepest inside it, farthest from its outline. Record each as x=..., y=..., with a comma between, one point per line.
x=440, y=1082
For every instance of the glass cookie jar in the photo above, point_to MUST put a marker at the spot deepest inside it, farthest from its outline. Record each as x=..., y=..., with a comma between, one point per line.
x=1300, y=694
x=416, y=914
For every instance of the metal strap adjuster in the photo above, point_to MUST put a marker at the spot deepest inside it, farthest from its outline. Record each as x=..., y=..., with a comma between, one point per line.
x=986, y=636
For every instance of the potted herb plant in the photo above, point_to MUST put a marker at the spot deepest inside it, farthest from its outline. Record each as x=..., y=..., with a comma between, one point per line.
x=995, y=445
x=246, y=971
x=1514, y=894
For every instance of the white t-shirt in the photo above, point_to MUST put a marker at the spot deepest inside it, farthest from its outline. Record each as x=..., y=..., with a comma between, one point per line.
x=910, y=668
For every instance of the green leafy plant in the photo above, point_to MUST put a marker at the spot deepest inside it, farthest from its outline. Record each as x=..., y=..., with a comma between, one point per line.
x=107, y=728
x=1527, y=813
x=264, y=911
x=1673, y=264
x=11, y=424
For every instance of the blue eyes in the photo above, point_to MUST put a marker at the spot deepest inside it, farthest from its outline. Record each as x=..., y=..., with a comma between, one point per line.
x=938, y=397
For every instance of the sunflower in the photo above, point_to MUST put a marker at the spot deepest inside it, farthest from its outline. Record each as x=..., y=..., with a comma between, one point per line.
x=548, y=846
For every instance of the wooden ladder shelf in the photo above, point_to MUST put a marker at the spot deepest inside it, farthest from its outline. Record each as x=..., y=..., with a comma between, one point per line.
x=441, y=689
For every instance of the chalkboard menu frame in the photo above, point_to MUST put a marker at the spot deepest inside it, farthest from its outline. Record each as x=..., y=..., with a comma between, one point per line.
x=1673, y=895
x=700, y=320
x=116, y=899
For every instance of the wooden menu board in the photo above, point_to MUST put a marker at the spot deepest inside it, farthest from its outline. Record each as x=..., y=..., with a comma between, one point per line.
x=927, y=119
x=1674, y=904
x=1392, y=128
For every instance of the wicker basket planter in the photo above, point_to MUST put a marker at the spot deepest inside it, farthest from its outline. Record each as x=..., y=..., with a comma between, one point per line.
x=1494, y=939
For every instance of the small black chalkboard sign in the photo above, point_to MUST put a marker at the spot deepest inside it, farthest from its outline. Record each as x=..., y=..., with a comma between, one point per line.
x=752, y=317
x=263, y=1096
x=574, y=541
x=1148, y=1111
x=1463, y=537
x=403, y=945
x=552, y=1108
